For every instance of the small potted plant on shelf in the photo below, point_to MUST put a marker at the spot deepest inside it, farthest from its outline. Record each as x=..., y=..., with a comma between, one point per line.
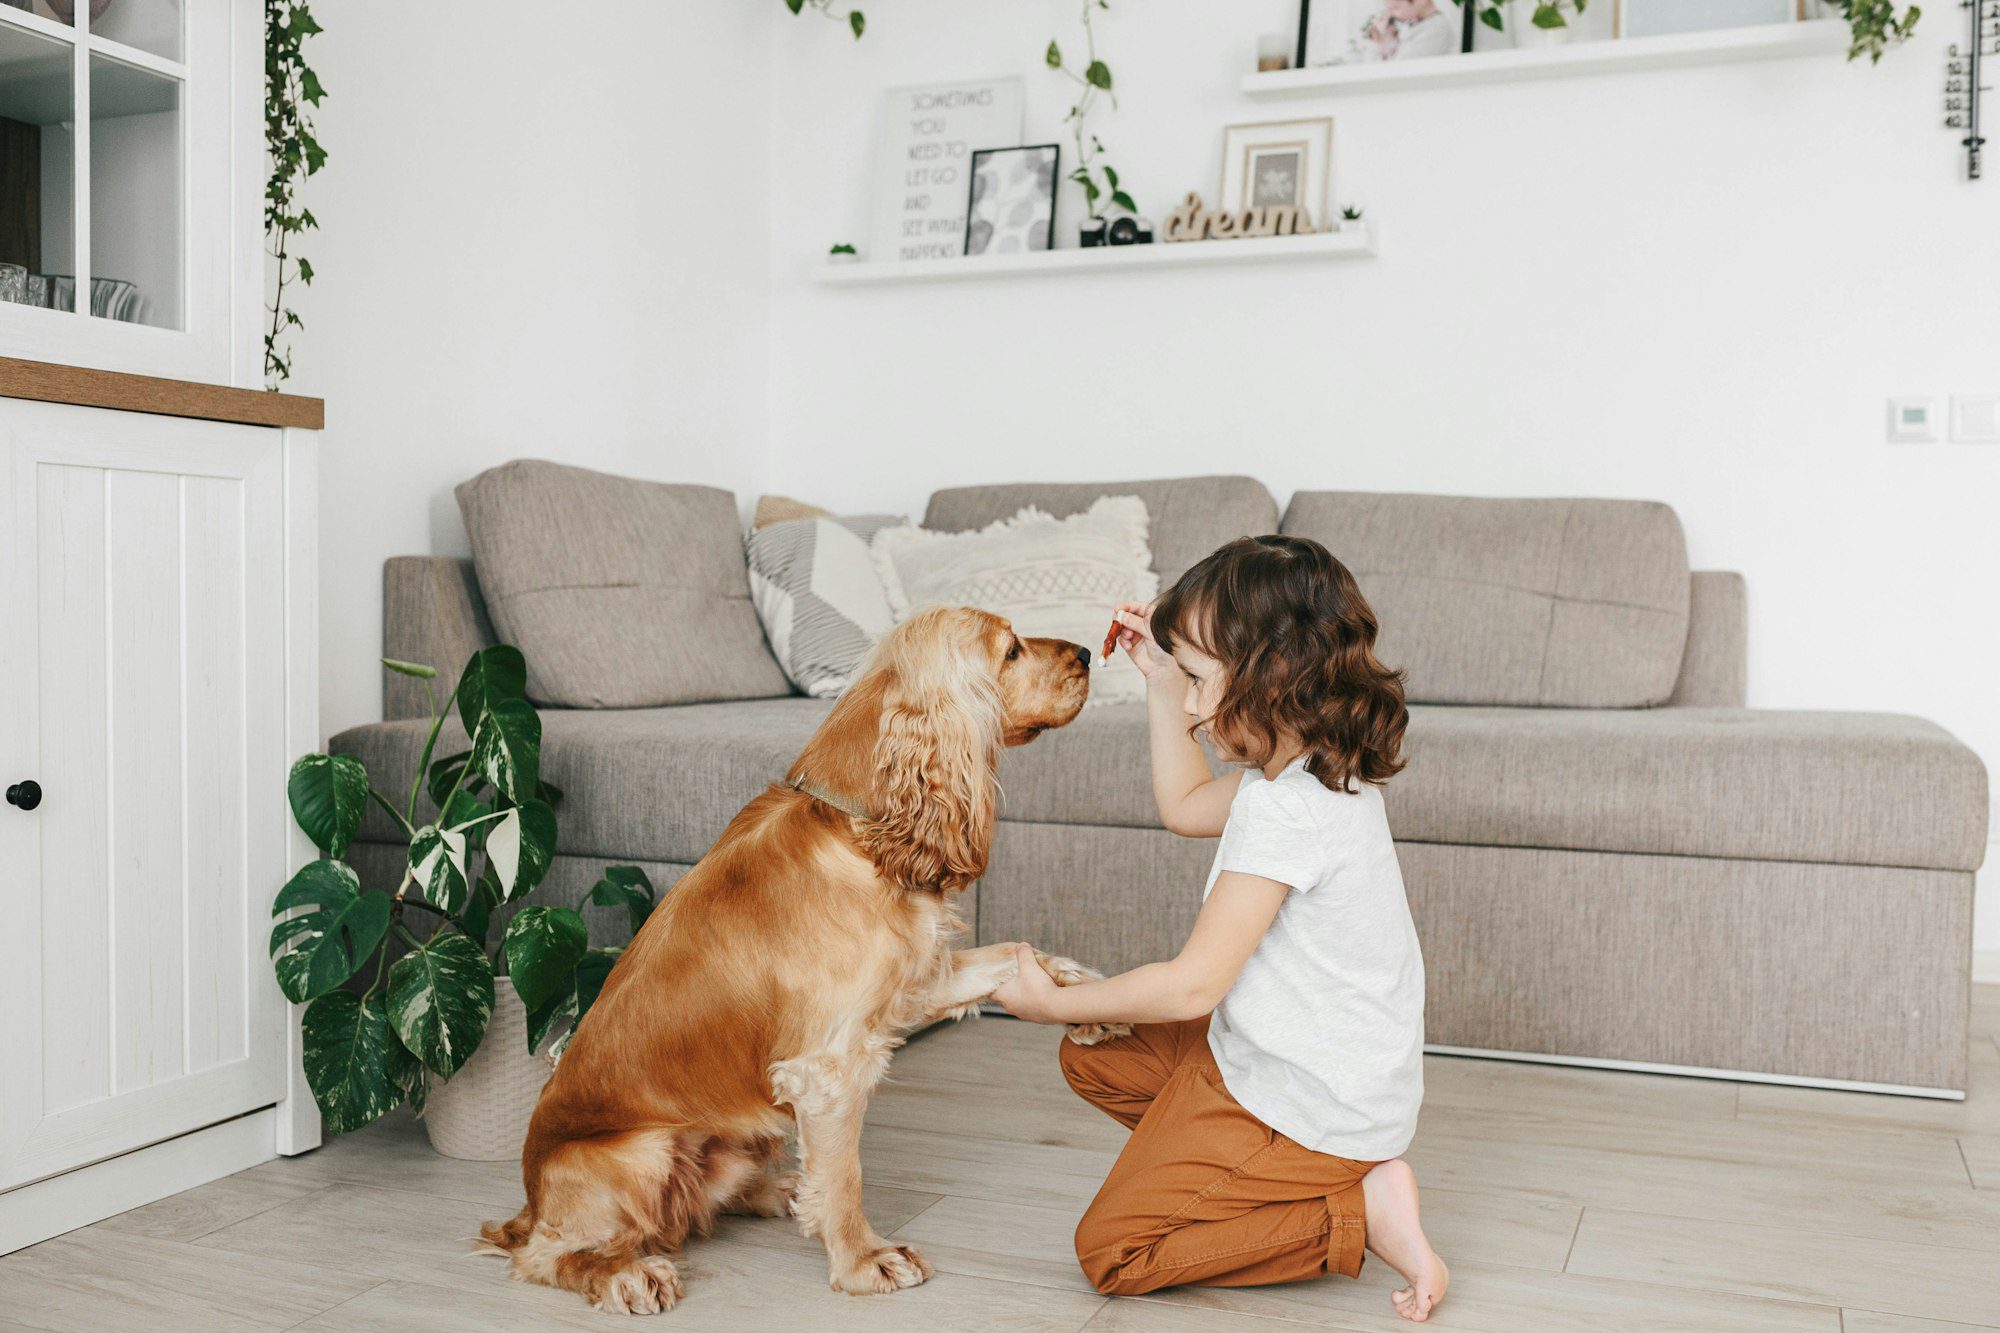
x=1351, y=222
x=1540, y=23
x=1101, y=189
x=415, y=1031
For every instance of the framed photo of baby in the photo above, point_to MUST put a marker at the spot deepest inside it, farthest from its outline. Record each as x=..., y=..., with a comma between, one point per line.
x=1350, y=32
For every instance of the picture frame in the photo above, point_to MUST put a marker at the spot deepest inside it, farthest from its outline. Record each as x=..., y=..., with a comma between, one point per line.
x=1010, y=205
x=924, y=137
x=1342, y=32
x=1277, y=163
x=1660, y=18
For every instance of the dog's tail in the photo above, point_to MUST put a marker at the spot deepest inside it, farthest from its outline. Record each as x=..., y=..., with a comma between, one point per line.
x=501, y=1238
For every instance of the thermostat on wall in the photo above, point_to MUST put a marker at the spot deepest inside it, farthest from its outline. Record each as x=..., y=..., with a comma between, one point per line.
x=1912, y=420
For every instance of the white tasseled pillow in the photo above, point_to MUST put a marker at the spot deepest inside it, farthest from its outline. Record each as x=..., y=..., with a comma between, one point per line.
x=1052, y=577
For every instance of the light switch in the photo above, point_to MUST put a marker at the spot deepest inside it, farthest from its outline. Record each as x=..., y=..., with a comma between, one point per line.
x=1975, y=418
x=1912, y=420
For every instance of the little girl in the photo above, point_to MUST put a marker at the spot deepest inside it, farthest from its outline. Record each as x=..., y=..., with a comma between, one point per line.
x=1275, y=1068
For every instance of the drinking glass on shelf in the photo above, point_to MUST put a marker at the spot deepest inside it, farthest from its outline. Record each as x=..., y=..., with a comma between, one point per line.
x=13, y=283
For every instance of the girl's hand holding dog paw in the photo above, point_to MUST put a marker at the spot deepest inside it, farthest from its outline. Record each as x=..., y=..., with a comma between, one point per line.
x=1031, y=992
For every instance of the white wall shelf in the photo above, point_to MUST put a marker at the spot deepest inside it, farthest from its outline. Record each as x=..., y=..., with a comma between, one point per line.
x=1107, y=258
x=1723, y=46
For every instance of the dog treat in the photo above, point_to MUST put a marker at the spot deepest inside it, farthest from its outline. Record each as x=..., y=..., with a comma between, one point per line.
x=1111, y=639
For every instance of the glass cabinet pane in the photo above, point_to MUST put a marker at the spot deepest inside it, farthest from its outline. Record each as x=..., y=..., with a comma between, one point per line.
x=135, y=194
x=154, y=26
x=60, y=11
x=37, y=153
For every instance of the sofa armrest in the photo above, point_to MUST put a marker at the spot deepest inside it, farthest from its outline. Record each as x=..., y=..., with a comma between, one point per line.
x=432, y=614
x=1715, y=664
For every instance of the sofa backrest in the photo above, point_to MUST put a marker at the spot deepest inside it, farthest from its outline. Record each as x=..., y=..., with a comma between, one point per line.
x=621, y=593
x=1546, y=603
x=1187, y=516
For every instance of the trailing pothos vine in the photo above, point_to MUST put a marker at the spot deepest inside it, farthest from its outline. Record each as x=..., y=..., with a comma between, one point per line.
x=851, y=17
x=1093, y=80
x=290, y=88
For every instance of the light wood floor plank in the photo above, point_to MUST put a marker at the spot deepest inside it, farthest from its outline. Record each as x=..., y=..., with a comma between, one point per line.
x=94, y=1280
x=731, y=1286
x=194, y=1213
x=1812, y=1191
x=1871, y=1321
x=1140, y=1315
x=1895, y=1277
x=393, y=1153
x=1498, y=1299
x=1982, y=1159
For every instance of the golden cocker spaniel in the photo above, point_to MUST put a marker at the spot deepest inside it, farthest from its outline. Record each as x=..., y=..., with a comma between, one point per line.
x=767, y=992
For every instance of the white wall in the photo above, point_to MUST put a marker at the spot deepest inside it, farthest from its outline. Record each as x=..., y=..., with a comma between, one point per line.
x=1697, y=286
x=543, y=235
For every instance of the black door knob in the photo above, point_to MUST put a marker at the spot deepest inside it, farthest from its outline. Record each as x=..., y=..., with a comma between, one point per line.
x=27, y=794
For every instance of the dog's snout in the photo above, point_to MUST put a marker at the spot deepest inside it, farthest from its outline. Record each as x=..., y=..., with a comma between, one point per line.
x=1082, y=653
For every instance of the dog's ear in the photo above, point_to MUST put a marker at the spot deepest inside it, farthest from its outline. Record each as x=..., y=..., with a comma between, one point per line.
x=939, y=737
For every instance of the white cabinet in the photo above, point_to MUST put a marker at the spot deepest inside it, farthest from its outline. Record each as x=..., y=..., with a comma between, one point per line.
x=156, y=668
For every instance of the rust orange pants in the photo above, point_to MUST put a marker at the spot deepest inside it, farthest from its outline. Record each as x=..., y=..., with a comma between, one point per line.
x=1204, y=1192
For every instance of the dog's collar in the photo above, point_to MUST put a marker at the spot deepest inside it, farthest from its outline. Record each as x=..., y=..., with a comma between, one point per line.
x=852, y=809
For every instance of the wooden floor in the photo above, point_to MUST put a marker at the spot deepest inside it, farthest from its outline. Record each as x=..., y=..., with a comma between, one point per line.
x=1563, y=1199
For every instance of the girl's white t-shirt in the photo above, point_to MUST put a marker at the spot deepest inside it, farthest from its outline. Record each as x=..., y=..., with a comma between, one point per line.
x=1322, y=1035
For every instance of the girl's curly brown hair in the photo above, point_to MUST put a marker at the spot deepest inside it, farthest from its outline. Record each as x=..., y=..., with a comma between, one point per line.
x=1289, y=625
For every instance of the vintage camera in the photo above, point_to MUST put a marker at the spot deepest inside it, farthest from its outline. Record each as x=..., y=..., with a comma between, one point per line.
x=1124, y=230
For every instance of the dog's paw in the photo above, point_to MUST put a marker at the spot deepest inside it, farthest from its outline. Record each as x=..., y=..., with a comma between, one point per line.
x=646, y=1286
x=890, y=1268
x=1067, y=971
x=1089, y=1034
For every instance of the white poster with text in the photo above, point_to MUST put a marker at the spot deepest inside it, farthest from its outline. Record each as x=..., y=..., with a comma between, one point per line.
x=924, y=162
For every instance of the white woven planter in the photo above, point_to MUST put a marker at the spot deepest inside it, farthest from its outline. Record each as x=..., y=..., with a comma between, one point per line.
x=482, y=1113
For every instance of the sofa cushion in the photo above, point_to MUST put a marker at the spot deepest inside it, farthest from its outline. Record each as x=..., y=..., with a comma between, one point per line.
x=1553, y=603
x=1844, y=788
x=620, y=593
x=1188, y=516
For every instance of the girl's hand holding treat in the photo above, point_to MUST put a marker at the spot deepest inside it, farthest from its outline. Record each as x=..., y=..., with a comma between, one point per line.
x=1132, y=630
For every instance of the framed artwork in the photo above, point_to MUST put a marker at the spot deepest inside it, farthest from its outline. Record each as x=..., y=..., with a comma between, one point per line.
x=1011, y=207
x=1657, y=18
x=1342, y=32
x=1278, y=163
x=923, y=153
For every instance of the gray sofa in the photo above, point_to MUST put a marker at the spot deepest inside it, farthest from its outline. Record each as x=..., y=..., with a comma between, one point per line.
x=1611, y=860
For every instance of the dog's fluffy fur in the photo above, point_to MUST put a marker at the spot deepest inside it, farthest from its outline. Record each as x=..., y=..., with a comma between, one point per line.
x=767, y=991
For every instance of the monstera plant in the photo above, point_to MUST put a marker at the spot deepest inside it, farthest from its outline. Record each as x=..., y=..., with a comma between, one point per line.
x=370, y=1047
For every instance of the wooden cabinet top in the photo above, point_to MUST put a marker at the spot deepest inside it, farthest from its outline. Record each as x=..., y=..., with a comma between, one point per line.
x=50, y=383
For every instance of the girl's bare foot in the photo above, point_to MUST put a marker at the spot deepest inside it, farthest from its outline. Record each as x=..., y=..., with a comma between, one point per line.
x=1397, y=1238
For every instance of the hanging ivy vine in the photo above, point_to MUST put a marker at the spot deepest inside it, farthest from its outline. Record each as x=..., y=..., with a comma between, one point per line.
x=292, y=92
x=1876, y=26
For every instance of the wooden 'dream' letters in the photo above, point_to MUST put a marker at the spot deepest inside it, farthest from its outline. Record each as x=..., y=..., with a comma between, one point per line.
x=1193, y=222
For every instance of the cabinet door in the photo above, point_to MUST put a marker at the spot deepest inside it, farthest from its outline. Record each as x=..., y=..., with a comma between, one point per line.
x=142, y=564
